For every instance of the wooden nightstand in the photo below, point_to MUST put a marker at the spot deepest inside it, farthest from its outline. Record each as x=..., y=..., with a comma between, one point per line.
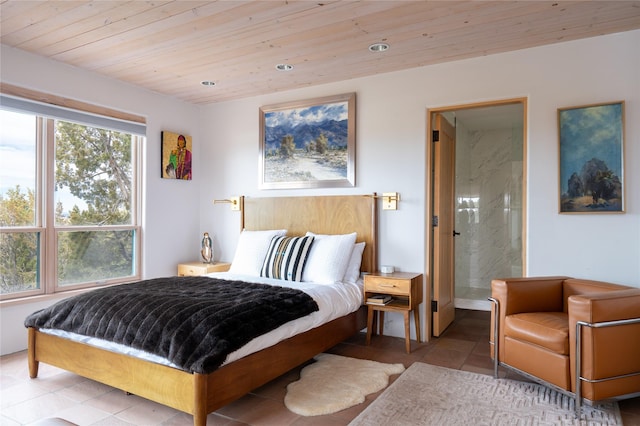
x=201, y=268
x=405, y=288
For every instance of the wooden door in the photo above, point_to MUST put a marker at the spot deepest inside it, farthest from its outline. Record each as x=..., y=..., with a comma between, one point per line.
x=443, y=221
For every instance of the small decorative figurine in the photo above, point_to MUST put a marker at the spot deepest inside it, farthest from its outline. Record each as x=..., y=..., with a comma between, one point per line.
x=207, y=249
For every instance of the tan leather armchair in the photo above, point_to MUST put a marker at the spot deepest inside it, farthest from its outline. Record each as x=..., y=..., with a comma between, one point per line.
x=548, y=328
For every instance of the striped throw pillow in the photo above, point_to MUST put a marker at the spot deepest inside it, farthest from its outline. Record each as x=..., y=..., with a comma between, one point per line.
x=286, y=257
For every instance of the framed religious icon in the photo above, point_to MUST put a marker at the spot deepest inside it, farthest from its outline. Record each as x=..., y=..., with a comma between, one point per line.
x=176, y=156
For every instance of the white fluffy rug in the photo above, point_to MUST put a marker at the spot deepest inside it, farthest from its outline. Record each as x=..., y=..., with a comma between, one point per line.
x=430, y=395
x=334, y=383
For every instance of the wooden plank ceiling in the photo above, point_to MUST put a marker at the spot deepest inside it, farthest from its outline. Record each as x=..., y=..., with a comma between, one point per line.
x=171, y=46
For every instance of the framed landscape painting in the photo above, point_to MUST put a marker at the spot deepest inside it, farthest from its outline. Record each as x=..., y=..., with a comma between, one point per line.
x=308, y=144
x=591, y=142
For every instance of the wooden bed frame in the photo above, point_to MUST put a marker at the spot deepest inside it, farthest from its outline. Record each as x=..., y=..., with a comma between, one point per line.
x=201, y=394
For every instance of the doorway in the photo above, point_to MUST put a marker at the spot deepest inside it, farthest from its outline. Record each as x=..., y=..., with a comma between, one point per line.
x=477, y=226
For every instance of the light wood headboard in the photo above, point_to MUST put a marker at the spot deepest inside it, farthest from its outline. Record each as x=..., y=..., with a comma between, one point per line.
x=340, y=214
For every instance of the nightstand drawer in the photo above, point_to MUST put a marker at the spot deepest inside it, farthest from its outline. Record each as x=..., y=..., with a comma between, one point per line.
x=387, y=285
x=199, y=268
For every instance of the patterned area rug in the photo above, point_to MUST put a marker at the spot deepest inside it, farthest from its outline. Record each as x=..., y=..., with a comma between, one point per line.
x=334, y=383
x=429, y=395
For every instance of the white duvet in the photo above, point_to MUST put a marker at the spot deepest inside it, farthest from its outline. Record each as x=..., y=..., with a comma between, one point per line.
x=334, y=301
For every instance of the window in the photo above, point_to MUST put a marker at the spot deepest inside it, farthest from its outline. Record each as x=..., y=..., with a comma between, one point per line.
x=69, y=204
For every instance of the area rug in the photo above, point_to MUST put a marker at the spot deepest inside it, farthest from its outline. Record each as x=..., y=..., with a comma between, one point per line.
x=334, y=383
x=430, y=395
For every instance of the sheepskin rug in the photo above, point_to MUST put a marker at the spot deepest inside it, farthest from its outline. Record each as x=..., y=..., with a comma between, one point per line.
x=334, y=383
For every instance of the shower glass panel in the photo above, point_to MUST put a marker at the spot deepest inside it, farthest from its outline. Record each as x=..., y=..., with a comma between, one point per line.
x=488, y=204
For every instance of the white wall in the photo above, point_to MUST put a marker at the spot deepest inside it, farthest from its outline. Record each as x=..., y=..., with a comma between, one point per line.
x=391, y=135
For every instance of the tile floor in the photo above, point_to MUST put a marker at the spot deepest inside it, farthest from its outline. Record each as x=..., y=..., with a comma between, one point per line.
x=56, y=393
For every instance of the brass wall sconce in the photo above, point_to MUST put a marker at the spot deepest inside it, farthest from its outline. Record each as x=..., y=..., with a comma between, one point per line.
x=389, y=200
x=234, y=201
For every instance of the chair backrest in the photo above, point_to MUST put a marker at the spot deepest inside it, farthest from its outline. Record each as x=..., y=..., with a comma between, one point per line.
x=573, y=286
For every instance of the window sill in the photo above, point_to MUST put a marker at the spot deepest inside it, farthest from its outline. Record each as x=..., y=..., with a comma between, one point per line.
x=53, y=297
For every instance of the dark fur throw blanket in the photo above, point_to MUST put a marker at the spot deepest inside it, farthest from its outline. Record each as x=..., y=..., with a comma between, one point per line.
x=194, y=322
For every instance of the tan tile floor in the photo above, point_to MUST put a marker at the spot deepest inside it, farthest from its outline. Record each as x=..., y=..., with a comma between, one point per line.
x=57, y=393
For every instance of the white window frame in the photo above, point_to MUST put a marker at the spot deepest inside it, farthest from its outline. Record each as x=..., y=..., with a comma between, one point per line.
x=47, y=109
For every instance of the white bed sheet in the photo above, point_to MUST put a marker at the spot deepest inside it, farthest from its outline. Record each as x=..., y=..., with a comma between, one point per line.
x=334, y=301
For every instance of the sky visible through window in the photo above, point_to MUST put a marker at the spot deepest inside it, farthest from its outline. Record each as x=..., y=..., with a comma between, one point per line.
x=18, y=157
x=17, y=151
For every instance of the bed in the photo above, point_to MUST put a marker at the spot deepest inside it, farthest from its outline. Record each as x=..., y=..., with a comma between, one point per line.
x=200, y=394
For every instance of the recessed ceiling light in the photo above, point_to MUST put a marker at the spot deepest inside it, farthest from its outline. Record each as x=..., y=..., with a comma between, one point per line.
x=378, y=47
x=284, y=67
x=208, y=83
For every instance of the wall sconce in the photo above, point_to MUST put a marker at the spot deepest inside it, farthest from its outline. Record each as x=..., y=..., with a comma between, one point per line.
x=234, y=201
x=389, y=200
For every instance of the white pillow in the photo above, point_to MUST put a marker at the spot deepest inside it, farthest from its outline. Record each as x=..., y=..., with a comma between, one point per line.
x=328, y=258
x=251, y=251
x=352, y=273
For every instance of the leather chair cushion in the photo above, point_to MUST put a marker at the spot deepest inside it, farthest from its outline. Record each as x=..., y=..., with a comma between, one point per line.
x=549, y=330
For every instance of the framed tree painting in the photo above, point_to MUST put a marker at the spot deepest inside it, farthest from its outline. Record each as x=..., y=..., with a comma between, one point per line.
x=591, y=145
x=176, y=156
x=308, y=144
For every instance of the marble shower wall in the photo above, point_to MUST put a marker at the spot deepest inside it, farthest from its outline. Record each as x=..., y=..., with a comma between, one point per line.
x=489, y=205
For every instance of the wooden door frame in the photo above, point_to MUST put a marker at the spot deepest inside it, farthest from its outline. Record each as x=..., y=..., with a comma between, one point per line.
x=430, y=113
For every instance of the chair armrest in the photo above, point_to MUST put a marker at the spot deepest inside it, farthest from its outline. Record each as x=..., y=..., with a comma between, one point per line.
x=578, y=286
x=607, y=351
x=605, y=306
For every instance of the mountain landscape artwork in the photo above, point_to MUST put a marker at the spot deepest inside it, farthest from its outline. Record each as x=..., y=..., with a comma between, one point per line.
x=308, y=144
